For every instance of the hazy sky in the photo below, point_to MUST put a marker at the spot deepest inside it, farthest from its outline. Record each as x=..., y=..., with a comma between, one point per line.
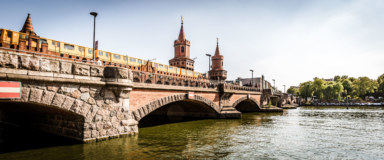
x=291, y=41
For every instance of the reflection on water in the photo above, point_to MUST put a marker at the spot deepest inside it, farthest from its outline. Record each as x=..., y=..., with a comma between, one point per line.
x=308, y=132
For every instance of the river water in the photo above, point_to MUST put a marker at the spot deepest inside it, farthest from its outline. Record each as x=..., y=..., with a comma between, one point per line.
x=303, y=133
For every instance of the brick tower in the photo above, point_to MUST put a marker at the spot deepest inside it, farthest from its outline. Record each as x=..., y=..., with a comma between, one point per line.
x=31, y=41
x=27, y=27
x=181, y=58
x=217, y=72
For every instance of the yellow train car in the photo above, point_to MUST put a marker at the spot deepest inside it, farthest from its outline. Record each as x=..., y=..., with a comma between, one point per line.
x=104, y=56
x=9, y=37
x=53, y=46
x=162, y=68
x=117, y=58
x=189, y=73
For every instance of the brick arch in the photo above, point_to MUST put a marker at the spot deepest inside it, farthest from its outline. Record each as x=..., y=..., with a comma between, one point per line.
x=140, y=113
x=55, y=100
x=238, y=101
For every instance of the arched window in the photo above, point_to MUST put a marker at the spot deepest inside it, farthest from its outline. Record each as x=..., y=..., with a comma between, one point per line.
x=182, y=49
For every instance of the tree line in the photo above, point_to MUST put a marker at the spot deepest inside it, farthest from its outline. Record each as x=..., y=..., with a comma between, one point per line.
x=340, y=88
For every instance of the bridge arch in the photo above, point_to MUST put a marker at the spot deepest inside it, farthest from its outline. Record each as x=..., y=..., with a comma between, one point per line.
x=178, y=105
x=48, y=111
x=246, y=104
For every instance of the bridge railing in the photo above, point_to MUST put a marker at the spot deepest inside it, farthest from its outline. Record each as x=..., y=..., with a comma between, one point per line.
x=238, y=87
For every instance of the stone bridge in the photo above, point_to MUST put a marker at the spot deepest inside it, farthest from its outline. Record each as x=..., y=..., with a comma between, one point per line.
x=89, y=102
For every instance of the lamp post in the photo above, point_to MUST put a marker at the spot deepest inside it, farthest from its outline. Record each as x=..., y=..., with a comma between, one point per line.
x=274, y=83
x=284, y=88
x=94, y=14
x=252, y=77
x=209, y=63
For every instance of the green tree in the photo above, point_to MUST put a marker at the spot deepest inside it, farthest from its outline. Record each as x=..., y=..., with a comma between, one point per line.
x=318, y=87
x=364, y=86
x=380, y=82
x=337, y=78
x=293, y=90
x=305, y=90
x=347, y=85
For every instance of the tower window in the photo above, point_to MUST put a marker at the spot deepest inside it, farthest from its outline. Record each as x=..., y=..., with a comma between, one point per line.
x=182, y=49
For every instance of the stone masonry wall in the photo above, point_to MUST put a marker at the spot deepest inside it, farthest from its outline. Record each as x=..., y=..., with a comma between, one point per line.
x=100, y=95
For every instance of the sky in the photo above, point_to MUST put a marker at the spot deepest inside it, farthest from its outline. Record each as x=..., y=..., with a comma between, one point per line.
x=291, y=41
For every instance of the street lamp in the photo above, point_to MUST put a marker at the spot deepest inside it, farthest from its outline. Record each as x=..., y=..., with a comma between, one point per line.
x=273, y=83
x=209, y=63
x=284, y=88
x=94, y=14
x=252, y=77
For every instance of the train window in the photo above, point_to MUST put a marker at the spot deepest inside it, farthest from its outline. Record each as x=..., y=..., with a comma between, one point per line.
x=100, y=53
x=79, y=49
x=132, y=60
x=53, y=43
x=9, y=34
x=57, y=44
x=170, y=68
x=139, y=61
x=69, y=47
x=116, y=56
x=43, y=41
x=161, y=66
x=89, y=51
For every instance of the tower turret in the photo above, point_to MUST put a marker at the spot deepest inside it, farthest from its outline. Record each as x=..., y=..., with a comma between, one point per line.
x=27, y=27
x=182, y=55
x=217, y=72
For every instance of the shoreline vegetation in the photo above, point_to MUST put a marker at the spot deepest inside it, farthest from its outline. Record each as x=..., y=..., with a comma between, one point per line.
x=341, y=91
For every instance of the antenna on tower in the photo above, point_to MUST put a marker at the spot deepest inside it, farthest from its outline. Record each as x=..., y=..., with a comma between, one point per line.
x=182, y=20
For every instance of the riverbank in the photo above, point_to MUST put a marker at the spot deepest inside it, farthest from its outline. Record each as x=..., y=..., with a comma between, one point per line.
x=344, y=104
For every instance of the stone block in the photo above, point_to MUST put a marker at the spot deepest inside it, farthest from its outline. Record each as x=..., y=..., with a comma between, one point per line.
x=30, y=62
x=67, y=89
x=35, y=95
x=81, y=69
x=66, y=67
x=58, y=75
x=98, y=118
x=85, y=96
x=25, y=94
x=76, y=94
x=47, y=97
x=95, y=133
x=107, y=125
x=97, y=71
x=9, y=60
x=53, y=87
x=91, y=101
x=84, y=89
x=87, y=134
x=68, y=102
x=41, y=74
x=47, y=65
x=58, y=100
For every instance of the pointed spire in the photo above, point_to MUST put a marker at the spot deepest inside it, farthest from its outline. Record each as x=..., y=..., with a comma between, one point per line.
x=217, y=47
x=181, y=34
x=28, y=28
